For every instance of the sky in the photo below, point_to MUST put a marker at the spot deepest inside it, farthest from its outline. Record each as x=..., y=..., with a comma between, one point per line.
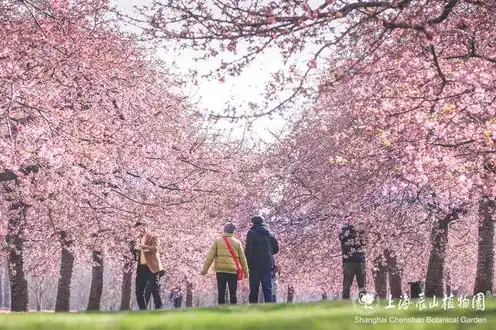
x=214, y=96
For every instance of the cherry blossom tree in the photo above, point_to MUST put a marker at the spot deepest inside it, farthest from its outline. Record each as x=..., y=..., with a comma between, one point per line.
x=237, y=32
x=95, y=119
x=399, y=141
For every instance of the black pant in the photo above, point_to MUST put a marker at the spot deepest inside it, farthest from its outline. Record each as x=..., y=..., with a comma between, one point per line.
x=350, y=270
x=148, y=294
x=144, y=278
x=258, y=277
x=232, y=281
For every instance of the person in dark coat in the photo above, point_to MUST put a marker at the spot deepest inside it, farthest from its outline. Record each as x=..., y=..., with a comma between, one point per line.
x=261, y=246
x=176, y=296
x=352, y=247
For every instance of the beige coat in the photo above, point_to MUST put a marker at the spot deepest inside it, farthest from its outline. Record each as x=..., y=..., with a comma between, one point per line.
x=152, y=255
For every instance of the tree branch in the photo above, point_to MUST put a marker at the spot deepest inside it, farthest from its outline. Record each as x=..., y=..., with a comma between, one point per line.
x=438, y=68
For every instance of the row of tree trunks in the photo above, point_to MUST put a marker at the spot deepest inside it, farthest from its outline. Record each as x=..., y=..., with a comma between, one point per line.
x=19, y=296
x=383, y=270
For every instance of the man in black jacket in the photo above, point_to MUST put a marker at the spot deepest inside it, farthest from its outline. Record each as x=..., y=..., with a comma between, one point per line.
x=352, y=246
x=261, y=245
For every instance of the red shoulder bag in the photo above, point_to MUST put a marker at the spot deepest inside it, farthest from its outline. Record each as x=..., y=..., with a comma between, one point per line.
x=238, y=266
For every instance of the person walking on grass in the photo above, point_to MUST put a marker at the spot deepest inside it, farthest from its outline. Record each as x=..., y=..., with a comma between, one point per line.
x=261, y=246
x=230, y=264
x=149, y=266
x=352, y=247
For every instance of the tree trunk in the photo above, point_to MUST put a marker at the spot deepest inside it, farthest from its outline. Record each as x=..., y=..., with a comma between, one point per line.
x=394, y=274
x=448, y=284
x=435, y=268
x=18, y=283
x=189, y=294
x=127, y=277
x=1, y=288
x=63, y=299
x=380, y=277
x=6, y=288
x=39, y=297
x=96, y=282
x=485, y=254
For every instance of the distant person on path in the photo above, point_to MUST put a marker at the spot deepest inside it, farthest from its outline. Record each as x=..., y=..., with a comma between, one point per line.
x=149, y=266
x=261, y=246
x=176, y=296
x=291, y=294
x=230, y=261
x=352, y=246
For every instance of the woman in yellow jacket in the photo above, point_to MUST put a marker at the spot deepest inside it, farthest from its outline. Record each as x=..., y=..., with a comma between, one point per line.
x=225, y=266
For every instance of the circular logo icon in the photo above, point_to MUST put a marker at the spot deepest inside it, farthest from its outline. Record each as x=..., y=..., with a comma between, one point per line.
x=366, y=303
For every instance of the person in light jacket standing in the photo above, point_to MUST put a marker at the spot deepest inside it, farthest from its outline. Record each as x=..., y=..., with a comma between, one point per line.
x=227, y=267
x=149, y=266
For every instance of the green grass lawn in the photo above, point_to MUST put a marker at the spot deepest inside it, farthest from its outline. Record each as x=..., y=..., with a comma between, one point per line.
x=322, y=315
